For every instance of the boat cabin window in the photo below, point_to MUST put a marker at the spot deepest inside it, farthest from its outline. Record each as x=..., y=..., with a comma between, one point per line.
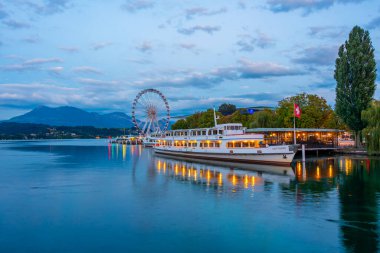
x=233, y=127
x=243, y=144
x=204, y=132
x=220, y=131
x=209, y=144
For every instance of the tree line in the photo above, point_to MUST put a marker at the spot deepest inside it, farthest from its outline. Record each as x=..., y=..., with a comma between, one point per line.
x=355, y=106
x=316, y=113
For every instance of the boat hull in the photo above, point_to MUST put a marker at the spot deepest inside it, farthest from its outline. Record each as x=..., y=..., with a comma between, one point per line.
x=266, y=159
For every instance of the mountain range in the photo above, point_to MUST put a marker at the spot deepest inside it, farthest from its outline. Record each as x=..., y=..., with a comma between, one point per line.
x=72, y=116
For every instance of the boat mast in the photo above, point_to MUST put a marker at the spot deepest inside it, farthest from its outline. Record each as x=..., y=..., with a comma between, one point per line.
x=215, y=118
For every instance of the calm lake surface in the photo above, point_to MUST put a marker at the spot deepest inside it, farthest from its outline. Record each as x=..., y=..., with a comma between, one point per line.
x=88, y=196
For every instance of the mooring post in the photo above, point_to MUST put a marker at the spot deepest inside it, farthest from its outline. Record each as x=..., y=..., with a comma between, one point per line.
x=303, y=153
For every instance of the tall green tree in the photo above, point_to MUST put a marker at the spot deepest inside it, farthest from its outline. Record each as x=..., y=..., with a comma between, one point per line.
x=371, y=117
x=355, y=74
x=227, y=109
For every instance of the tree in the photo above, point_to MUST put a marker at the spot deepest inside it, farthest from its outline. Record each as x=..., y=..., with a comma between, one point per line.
x=371, y=118
x=227, y=109
x=355, y=74
x=180, y=124
x=315, y=111
x=263, y=119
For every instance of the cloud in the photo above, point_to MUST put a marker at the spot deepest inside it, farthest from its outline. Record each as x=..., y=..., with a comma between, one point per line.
x=144, y=47
x=323, y=85
x=87, y=69
x=137, y=5
x=375, y=23
x=181, y=98
x=253, y=70
x=307, y=6
x=247, y=42
x=29, y=64
x=198, y=11
x=332, y=32
x=203, y=28
x=32, y=39
x=141, y=61
x=97, y=82
x=70, y=49
x=242, y=4
x=91, y=96
x=56, y=70
x=16, y=67
x=261, y=96
x=188, y=46
x=25, y=95
x=38, y=61
x=101, y=45
x=49, y=7
x=16, y=24
x=318, y=56
x=245, y=69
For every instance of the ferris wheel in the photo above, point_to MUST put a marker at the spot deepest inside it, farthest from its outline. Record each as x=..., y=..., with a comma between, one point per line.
x=150, y=112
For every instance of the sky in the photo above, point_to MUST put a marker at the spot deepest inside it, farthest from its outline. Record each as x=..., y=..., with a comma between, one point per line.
x=97, y=55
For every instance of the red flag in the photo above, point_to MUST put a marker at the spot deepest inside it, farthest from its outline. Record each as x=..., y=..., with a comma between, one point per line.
x=297, y=111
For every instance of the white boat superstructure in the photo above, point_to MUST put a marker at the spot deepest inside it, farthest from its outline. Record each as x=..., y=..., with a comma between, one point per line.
x=223, y=142
x=150, y=140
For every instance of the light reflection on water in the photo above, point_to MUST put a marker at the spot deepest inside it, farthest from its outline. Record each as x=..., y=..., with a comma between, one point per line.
x=125, y=198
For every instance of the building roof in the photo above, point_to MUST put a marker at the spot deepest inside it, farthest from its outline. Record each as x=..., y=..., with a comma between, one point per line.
x=258, y=130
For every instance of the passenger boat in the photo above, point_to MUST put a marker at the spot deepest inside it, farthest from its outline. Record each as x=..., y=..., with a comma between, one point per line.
x=223, y=142
x=149, y=141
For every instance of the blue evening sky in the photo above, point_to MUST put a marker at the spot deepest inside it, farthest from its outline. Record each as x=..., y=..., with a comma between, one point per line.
x=97, y=55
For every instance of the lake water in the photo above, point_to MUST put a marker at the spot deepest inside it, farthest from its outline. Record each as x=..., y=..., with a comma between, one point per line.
x=88, y=196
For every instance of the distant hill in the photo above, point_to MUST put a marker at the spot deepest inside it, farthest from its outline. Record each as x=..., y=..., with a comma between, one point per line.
x=72, y=116
x=26, y=131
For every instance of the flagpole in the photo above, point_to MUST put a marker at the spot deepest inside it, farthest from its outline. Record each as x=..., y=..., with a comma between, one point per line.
x=294, y=123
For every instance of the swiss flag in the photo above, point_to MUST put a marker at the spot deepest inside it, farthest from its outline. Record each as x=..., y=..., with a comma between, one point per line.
x=297, y=111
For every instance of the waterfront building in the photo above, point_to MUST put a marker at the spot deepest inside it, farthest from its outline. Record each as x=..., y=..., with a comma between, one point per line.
x=313, y=138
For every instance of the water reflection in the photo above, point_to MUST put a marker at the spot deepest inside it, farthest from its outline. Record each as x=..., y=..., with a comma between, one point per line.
x=358, y=189
x=357, y=182
x=113, y=151
x=217, y=177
